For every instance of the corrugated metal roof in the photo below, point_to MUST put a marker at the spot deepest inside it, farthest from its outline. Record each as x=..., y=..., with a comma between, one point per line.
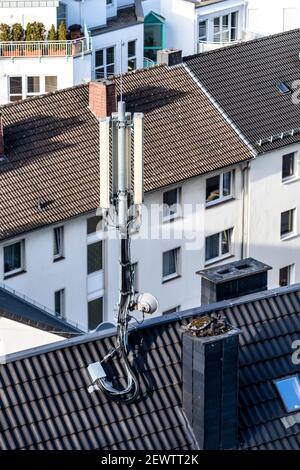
x=46, y=403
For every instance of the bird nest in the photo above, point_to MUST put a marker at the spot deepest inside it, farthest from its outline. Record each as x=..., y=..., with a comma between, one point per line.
x=213, y=325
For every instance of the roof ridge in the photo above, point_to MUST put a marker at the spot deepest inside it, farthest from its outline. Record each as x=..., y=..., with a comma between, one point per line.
x=158, y=320
x=242, y=43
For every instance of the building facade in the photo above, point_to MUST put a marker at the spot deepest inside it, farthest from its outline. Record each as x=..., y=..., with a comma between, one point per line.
x=103, y=38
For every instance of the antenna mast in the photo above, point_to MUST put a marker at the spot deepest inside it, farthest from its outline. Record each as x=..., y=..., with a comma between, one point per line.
x=118, y=197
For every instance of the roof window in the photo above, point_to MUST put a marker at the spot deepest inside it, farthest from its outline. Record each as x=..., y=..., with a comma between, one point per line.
x=289, y=391
x=283, y=88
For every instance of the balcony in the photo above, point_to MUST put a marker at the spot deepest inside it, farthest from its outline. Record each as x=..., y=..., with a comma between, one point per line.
x=39, y=49
x=206, y=46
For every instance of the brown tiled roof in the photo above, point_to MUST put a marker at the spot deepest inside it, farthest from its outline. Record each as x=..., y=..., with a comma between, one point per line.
x=51, y=143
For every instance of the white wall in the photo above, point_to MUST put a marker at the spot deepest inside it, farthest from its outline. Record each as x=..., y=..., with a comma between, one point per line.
x=269, y=197
x=270, y=17
x=116, y=38
x=46, y=15
x=69, y=71
x=15, y=336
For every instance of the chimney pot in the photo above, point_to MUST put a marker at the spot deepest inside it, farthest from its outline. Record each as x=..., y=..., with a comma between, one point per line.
x=102, y=98
x=169, y=57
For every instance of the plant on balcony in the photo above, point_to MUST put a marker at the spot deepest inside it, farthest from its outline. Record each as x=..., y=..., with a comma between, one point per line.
x=17, y=32
x=5, y=36
x=52, y=36
x=34, y=32
x=62, y=36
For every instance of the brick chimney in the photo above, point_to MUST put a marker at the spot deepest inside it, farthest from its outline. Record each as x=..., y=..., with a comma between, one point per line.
x=102, y=98
x=210, y=383
x=1, y=138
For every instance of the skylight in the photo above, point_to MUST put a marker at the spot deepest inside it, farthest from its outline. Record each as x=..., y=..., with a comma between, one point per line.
x=289, y=391
x=283, y=88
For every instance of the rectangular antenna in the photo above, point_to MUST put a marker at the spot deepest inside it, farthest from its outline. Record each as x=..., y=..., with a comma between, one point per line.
x=138, y=125
x=114, y=154
x=104, y=125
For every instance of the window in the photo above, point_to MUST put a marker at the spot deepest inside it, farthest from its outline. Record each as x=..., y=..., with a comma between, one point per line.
x=95, y=313
x=61, y=14
x=172, y=310
x=14, y=258
x=287, y=223
x=171, y=264
x=219, y=188
x=218, y=245
x=59, y=303
x=289, y=391
x=109, y=2
x=171, y=201
x=93, y=224
x=283, y=88
x=105, y=62
x=226, y=28
x=94, y=257
x=288, y=166
x=131, y=55
x=50, y=83
x=286, y=275
x=15, y=88
x=203, y=31
x=58, y=243
x=154, y=35
x=33, y=86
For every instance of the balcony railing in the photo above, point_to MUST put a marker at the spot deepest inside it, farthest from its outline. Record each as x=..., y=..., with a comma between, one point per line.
x=206, y=46
x=29, y=49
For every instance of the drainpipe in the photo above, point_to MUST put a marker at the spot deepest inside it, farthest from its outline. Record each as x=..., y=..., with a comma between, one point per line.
x=245, y=212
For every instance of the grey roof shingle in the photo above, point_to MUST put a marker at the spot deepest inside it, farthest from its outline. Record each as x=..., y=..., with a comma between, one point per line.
x=21, y=310
x=243, y=78
x=46, y=403
x=52, y=141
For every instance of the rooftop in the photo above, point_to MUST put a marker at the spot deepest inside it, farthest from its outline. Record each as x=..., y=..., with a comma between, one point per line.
x=24, y=311
x=46, y=140
x=243, y=80
x=46, y=403
x=125, y=18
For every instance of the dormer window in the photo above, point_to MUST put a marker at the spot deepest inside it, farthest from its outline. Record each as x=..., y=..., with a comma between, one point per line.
x=289, y=391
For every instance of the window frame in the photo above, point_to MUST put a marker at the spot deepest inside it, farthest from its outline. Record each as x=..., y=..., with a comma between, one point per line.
x=168, y=217
x=105, y=63
x=177, y=272
x=220, y=241
x=286, y=179
x=226, y=30
x=90, y=273
x=221, y=198
x=290, y=275
x=292, y=232
x=50, y=76
x=15, y=94
x=62, y=301
x=21, y=269
x=29, y=94
x=203, y=38
x=60, y=254
x=101, y=297
x=133, y=57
